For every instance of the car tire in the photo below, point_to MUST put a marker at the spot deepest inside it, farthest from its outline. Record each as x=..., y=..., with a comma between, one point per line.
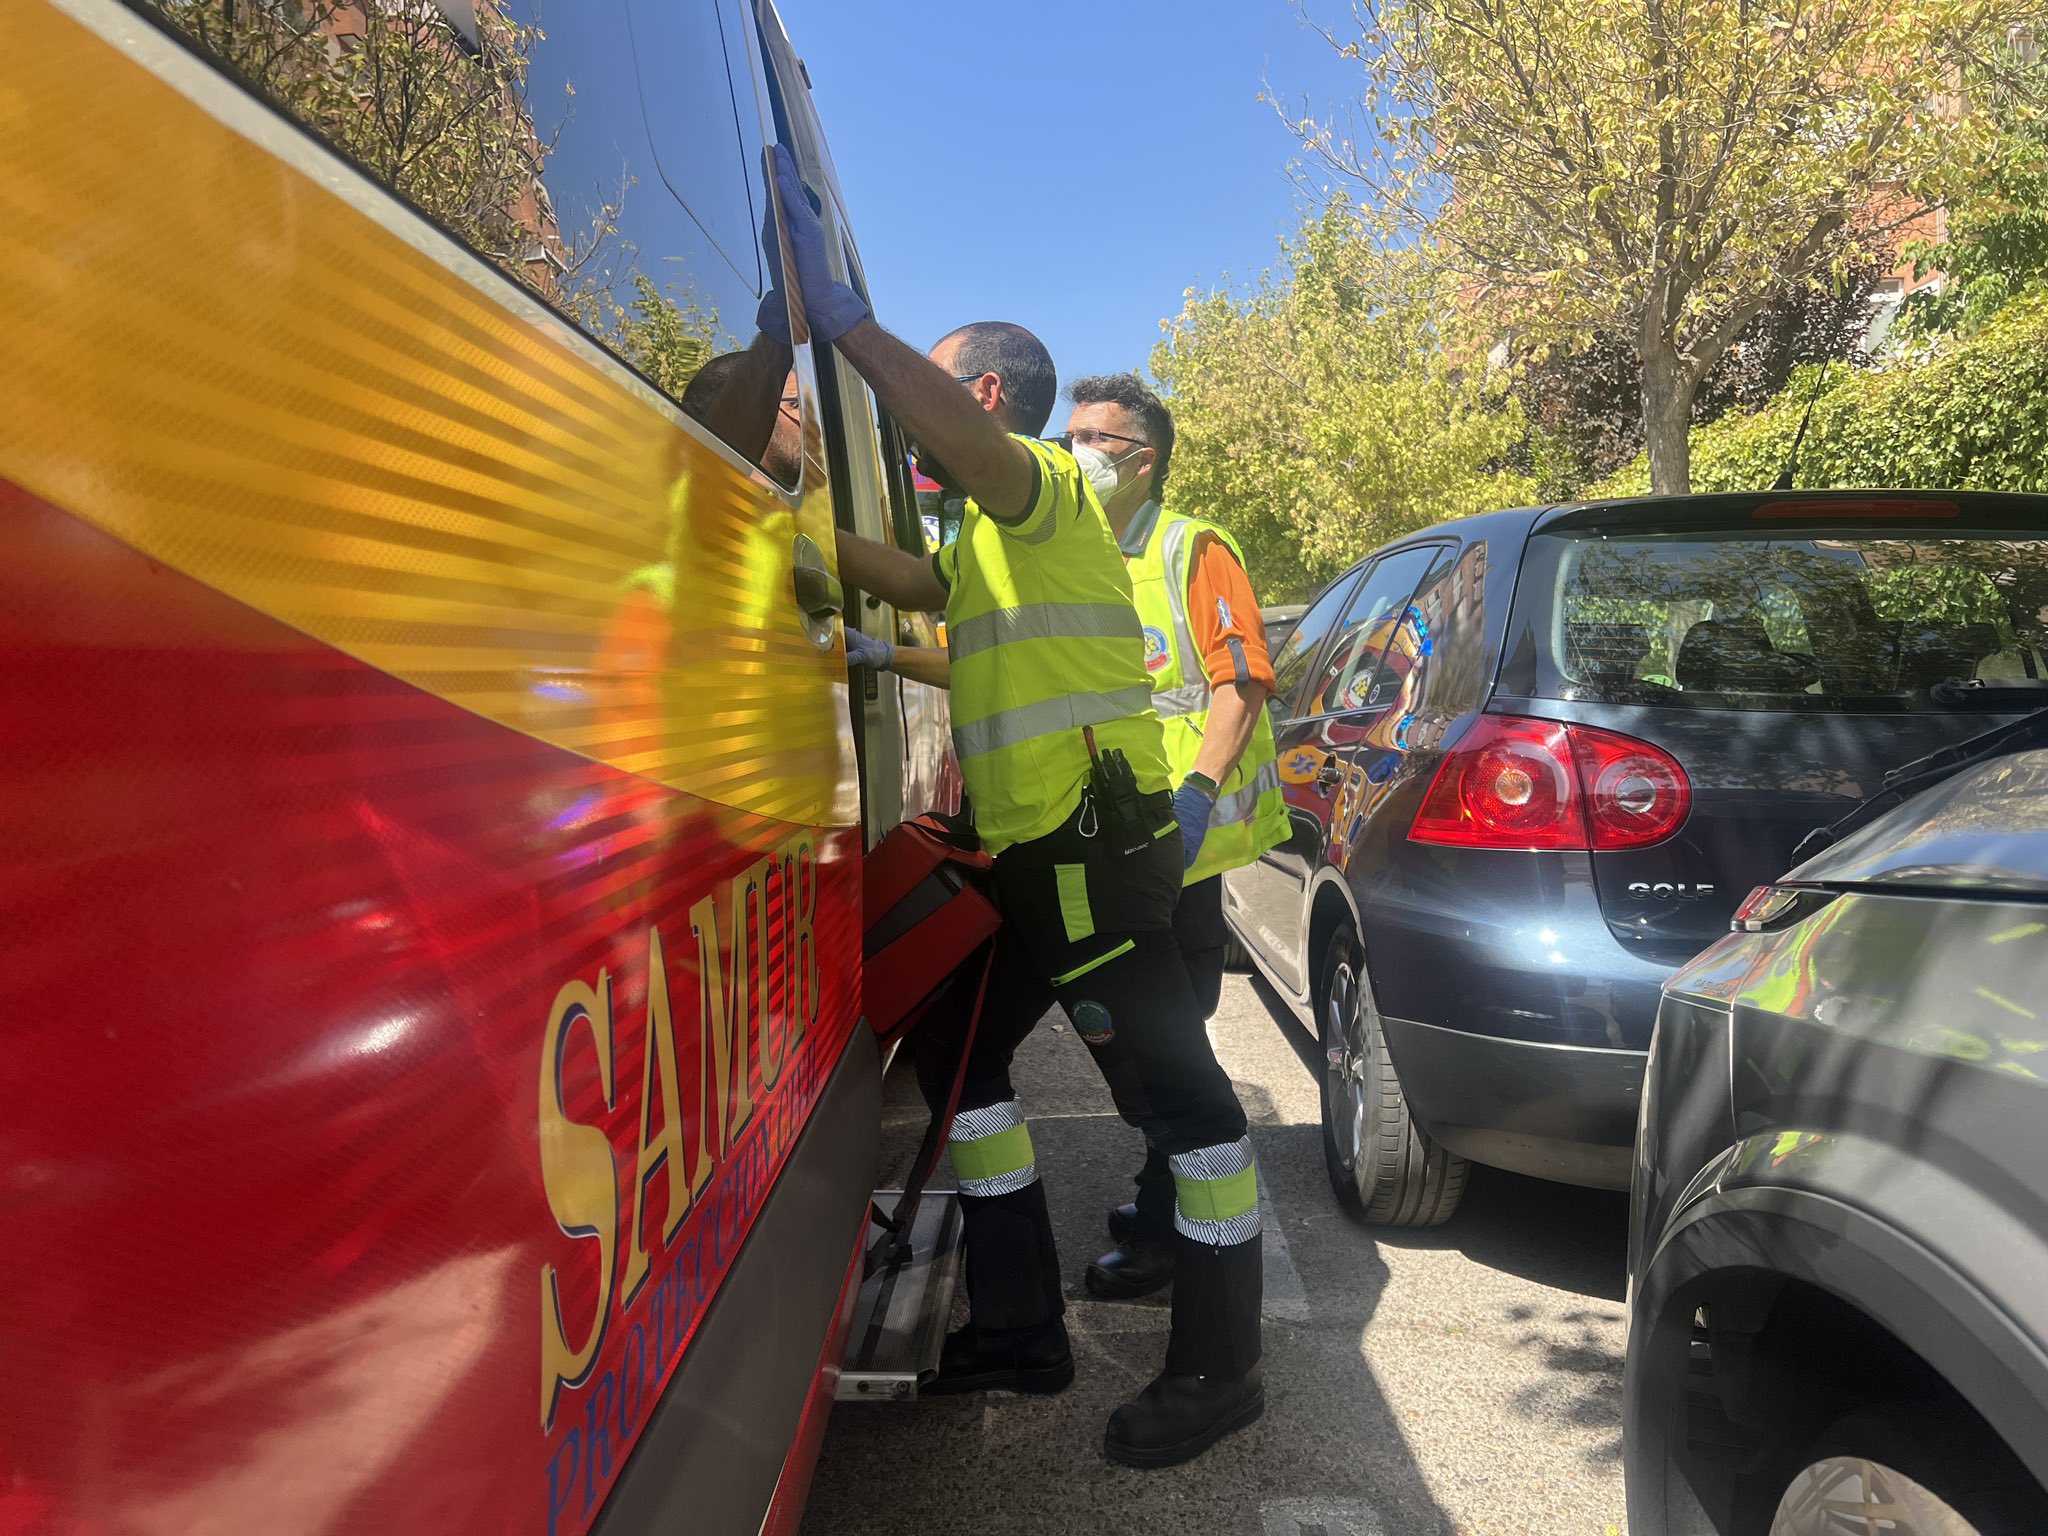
x=1235, y=956
x=1913, y=1469
x=1383, y=1167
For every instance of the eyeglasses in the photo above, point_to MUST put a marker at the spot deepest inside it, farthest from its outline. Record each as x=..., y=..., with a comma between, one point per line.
x=1088, y=437
x=970, y=378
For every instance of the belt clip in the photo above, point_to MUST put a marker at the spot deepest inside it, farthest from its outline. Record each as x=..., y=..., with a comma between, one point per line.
x=1089, y=824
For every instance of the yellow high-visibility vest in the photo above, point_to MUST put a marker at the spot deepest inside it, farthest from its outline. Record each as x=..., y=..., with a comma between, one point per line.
x=1044, y=639
x=1250, y=814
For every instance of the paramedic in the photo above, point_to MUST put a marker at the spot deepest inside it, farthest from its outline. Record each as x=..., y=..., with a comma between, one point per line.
x=1205, y=654
x=1045, y=642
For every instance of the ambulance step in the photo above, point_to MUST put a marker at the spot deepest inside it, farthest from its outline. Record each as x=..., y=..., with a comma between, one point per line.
x=899, y=1322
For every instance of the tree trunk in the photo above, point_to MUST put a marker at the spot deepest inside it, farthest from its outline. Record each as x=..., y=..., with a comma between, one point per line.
x=1667, y=423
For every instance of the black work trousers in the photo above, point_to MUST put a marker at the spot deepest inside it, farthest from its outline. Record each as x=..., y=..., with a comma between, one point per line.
x=1204, y=941
x=1091, y=928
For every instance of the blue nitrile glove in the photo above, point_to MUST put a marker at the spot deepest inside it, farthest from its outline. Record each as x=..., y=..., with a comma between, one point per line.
x=834, y=308
x=866, y=651
x=1192, y=803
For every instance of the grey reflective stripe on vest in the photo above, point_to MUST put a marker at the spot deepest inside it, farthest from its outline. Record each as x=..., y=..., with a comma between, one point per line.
x=1043, y=621
x=1177, y=603
x=1068, y=712
x=1188, y=699
x=1243, y=804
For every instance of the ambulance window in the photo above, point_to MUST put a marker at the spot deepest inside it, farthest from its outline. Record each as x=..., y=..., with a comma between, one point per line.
x=695, y=126
x=527, y=143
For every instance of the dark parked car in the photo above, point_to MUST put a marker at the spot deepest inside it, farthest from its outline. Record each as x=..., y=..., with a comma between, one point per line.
x=1838, y=1311
x=1534, y=759
x=1279, y=620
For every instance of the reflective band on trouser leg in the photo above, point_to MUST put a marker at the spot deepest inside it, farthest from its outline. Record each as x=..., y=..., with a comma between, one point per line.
x=991, y=1150
x=1216, y=1193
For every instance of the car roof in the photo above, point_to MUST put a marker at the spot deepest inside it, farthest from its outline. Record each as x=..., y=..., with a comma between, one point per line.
x=1675, y=513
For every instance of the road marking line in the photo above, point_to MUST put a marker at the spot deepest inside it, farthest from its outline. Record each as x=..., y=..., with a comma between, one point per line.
x=1285, y=1296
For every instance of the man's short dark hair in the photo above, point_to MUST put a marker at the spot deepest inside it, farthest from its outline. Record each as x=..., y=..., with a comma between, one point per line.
x=1155, y=421
x=1020, y=360
x=709, y=382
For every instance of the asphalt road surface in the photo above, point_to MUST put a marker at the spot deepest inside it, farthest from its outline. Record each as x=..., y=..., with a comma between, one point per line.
x=1462, y=1380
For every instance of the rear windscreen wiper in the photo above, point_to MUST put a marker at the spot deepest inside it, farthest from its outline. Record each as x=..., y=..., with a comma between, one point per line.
x=1988, y=690
x=1908, y=779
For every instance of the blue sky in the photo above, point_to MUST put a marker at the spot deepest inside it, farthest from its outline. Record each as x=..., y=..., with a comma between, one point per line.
x=1072, y=165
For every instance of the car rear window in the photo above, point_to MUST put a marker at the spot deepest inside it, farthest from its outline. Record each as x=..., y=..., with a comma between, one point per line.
x=1768, y=621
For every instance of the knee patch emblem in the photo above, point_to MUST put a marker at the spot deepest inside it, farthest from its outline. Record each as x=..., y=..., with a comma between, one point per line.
x=1092, y=1022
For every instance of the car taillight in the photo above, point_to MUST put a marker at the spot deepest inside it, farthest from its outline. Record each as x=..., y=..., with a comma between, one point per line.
x=1768, y=906
x=1636, y=794
x=1539, y=784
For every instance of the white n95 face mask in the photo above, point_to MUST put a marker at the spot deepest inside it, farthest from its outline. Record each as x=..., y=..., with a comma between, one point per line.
x=1098, y=469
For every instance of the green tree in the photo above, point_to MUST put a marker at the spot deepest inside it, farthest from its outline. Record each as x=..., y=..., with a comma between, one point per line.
x=1972, y=413
x=1317, y=414
x=1997, y=239
x=1659, y=170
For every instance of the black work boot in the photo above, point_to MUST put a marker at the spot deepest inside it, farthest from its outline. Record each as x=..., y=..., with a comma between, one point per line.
x=1004, y=1360
x=1124, y=1221
x=1177, y=1418
x=1139, y=1265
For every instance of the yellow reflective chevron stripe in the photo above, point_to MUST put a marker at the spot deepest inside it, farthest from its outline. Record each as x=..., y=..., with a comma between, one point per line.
x=335, y=416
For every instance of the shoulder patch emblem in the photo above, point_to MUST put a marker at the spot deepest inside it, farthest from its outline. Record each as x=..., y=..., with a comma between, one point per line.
x=1223, y=611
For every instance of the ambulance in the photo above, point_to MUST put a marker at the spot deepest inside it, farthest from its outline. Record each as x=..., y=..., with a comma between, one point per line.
x=432, y=799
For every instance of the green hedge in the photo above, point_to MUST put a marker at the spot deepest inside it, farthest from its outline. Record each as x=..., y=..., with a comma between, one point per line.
x=1972, y=415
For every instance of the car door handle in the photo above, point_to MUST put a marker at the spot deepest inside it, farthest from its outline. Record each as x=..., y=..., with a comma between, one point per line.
x=1328, y=775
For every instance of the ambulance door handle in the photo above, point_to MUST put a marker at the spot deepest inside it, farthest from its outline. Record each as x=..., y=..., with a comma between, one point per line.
x=819, y=593
x=819, y=596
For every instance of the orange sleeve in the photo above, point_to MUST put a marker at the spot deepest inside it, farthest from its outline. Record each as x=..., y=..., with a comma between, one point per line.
x=1223, y=616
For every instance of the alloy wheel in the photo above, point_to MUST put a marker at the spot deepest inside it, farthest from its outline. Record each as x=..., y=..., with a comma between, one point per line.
x=1344, y=1008
x=1855, y=1496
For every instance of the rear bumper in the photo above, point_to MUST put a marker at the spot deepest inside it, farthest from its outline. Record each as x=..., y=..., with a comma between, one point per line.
x=1560, y=1112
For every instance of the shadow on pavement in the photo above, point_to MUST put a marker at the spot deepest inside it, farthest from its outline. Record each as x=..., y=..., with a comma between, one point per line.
x=1554, y=1234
